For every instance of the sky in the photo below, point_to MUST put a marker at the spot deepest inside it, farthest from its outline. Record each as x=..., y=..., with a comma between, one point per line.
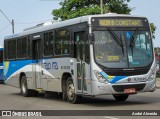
x=28, y=13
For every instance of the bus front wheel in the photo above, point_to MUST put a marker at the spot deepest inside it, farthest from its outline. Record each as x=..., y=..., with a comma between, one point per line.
x=120, y=97
x=70, y=92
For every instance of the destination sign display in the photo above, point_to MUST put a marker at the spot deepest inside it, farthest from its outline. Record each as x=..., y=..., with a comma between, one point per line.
x=113, y=58
x=121, y=22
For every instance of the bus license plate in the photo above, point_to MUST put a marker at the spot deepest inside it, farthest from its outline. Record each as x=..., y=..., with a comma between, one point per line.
x=130, y=90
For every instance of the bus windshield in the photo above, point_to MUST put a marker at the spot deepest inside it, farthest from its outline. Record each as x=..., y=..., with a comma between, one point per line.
x=123, y=48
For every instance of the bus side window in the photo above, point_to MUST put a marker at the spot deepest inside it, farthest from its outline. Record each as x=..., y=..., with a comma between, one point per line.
x=22, y=47
x=62, y=42
x=5, y=49
x=11, y=49
x=48, y=44
x=29, y=48
x=51, y=43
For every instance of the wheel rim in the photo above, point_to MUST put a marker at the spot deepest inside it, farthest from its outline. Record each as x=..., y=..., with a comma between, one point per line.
x=70, y=92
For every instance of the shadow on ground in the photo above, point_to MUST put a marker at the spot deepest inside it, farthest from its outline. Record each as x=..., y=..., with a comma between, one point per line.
x=99, y=101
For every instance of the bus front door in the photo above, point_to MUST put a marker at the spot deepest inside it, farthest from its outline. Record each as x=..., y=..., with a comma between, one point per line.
x=37, y=62
x=79, y=38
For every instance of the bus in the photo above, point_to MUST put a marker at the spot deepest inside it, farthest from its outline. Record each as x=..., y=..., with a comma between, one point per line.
x=1, y=65
x=110, y=54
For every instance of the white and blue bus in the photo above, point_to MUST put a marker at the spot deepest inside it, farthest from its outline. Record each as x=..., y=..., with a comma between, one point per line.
x=108, y=54
x=1, y=65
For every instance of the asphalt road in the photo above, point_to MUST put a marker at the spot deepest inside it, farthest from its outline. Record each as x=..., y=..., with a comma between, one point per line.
x=11, y=99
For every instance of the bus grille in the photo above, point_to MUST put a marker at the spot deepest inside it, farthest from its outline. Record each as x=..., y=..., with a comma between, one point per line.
x=120, y=88
x=119, y=72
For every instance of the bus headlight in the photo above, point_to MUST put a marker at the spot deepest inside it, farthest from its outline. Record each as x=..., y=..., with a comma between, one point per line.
x=99, y=76
x=152, y=76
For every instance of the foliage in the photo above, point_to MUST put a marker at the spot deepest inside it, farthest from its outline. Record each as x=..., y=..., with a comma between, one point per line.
x=75, y=8
x=153, y=29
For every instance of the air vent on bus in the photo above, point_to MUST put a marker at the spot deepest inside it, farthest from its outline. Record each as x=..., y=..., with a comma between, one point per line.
x=39, y=25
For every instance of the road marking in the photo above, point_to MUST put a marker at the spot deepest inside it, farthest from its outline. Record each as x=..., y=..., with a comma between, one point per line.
x=110, y=117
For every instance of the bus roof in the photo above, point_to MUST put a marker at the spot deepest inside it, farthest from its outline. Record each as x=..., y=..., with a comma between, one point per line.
x=63, y=24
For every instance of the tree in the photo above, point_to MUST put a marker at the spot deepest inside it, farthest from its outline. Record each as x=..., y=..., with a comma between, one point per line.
x=153, y=29
x=76, y=8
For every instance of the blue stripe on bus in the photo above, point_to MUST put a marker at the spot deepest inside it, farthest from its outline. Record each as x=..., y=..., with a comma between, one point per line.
x=12, y=66
x=117, y=78
x=112, y=79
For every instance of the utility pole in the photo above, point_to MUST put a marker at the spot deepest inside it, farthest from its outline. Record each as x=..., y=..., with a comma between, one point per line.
x=101, y=6
x=13, y=26
x=12, y=22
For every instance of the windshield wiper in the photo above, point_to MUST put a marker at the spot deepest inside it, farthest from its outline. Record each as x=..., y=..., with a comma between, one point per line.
x=116, y=38
x=132, y=43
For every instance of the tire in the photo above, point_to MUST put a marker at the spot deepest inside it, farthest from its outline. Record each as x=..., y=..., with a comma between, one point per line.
x=24, y=88
x=121, y=97
x=64, y=97
x=70, y=92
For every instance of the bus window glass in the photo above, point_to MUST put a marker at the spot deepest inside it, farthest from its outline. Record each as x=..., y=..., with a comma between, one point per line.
x=22, y=47
x=11, y=49
x=108, y=51
x=5, y=49
x=48, y=44
x=111, y=51
x=62, y=45
x=51, y=42
x=29, y=49
x=19, y=47
x=140, y=49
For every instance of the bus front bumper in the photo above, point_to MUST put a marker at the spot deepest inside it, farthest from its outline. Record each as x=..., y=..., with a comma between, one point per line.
x=118, y=88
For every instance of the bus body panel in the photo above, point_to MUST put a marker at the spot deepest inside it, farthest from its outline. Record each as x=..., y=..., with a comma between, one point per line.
x=51, y=73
